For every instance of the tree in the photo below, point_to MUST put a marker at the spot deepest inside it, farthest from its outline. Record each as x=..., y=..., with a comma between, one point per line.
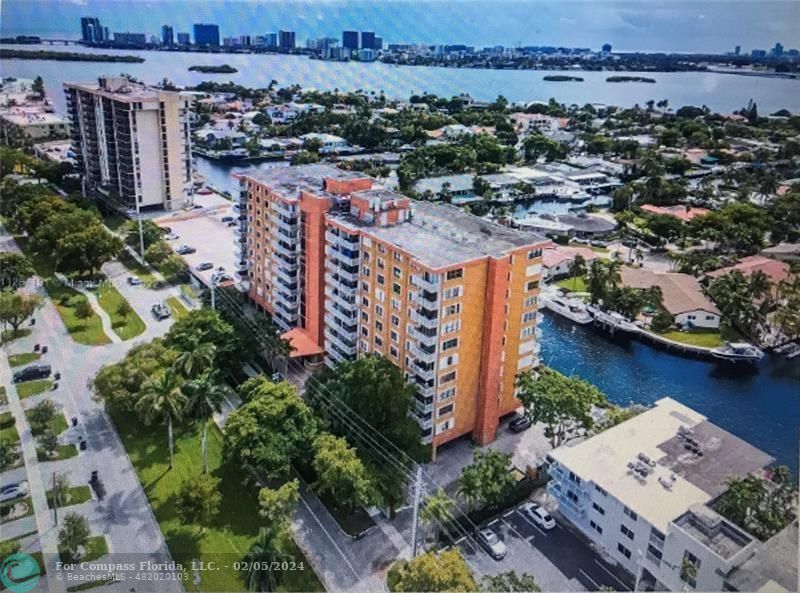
x=40, y=415
x=277, y=505
x=563, y=404
x=259, y=558
x=74, y=535
x=743, y=301
x=665, y=226
x=597, y=281
x=124, y=309
x=83, y=308
x=577, y=267
x=204, y=397
x=487, y=480
x=510, y=581
x=15, y=269
x=47, y=441
x=38, y=87
x=787, y=315
x=432, y=572
x=340, y=473
x=737, y=227
x=162, y=399
x=195, y=361
x=119, y=385
x=158, y=252
x=304, y=157
x=784, y=214
x=437, y=510
x=205, y=325
x=251, y=387
x=9, y=453
x=271, y=432
x=16, y=307
x=61, y=488
x=198, y=500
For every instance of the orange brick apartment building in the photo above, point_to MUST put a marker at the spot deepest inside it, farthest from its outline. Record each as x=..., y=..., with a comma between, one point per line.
x=354, y=269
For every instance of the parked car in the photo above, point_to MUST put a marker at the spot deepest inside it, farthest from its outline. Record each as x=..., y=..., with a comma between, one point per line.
x=161, y=312
x=598, y=243
x=538, y=515
x=196, y=207
x=232, y=223
x=35, y=371
x=134, y=281
x=491, y=543
x=227, y=219
x=185, y=250
x=219, y=277
x=12, y=491
x=171, y=237
x=519, y=423
x=202, y=267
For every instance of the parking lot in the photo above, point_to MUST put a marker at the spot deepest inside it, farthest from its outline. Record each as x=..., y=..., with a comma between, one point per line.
x=558, y=559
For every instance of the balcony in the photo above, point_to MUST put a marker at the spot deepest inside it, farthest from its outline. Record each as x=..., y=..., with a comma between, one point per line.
x=281, y=272
x=342, y=239
x=424, y=319
x=284, y=209
x=340, y=342
x=426, y=298
x=429, y=282
x=284, y=249
x=342, y=273
x=424, y=371
x=345, y=256
x=340, y=283
x=349, y=327
x=424, y=420
x=423, y=353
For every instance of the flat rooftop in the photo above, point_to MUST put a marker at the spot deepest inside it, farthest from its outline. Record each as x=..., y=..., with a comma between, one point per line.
x=677, y=478
x=441, y=235
x=773, y=567
x=714, y=531
x=288, y=181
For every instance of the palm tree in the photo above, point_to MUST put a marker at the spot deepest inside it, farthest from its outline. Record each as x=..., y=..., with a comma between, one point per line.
x=194, y=361
x=204, y=396
x=614, y=266
x=259, y=577
x=162, y=399
x=577, y=267
x=597, y=280
x=437, y=510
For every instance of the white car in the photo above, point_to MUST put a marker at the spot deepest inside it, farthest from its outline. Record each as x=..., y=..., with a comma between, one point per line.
x=538, y=515
x=171, y=237
x=12, y=491
x=491, y=543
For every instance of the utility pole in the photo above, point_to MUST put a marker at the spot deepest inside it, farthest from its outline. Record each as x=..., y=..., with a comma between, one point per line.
x=213, y=297
x=141, y=236
x=55, y=500
x=415, y=520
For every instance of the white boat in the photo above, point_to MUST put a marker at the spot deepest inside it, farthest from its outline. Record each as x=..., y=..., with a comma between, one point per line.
x=738, y=352
x=613, y=320
x=572, y=309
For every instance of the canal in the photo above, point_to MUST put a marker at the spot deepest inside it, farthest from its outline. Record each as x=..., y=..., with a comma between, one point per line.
x=761, y=406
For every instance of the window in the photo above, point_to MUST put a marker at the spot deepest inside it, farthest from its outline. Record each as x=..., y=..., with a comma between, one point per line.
x=600, y=490
x=689, y=568
x=364, y=316
x=572, y=496
x=530, y=302
x=378, y=341
x=631, y=514
x=446, y=409
x=381, y=279
x=394, y=335
x=447, y=377
x=624, y=551
x=527, y=332
x=395, y=320
x=452, y=309
x=652, y=550
x=365, y=301
x=378, y=326
x=396, y=288
x=627, y=531
x=447, y=393
x=451, y=326
x=396, y=304
x=598, y=508
x=596, y=527
x=393, y=351
x=534, y=254
x=454, y=274
x=397, y=256
x=397, y=272
x=450, y=344
x=381, y=263
x=365, y=270
x=448, y=361
x=655, y=533
x=532, y=285
x=364, y=286
x=364, y=331
x=378, y=310
x=529, y=316
x=574, y=478
x=453, y=292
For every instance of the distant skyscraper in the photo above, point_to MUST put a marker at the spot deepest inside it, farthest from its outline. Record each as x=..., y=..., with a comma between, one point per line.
x=206, y=34
x=167, y=35
x=271, y=40
x=777, y=51
x=378, y=43
x=606, y=48
x=367, y=39
x=737, y=51
x=350, y=39
x=91, y=30
x=286, y=39
x=758, y=53
x=184, y=39
x=245, y=40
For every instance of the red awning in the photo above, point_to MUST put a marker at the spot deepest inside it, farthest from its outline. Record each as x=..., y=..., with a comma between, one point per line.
x=301, y=343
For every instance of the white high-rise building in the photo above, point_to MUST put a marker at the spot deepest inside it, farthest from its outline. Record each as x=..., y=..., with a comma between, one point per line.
x=132, y=142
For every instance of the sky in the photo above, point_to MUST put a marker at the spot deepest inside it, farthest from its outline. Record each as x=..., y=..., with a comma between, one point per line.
x=647, y=25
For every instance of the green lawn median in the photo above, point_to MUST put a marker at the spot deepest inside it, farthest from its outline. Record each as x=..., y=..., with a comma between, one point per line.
x=126, y=322
x=234, y=529
x=82, y=323
x=23, y=358
x=74, y=495
x=31, y=388
x=177, y=308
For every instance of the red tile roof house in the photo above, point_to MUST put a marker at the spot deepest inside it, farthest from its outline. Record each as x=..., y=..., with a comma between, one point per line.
x=685, y=213
x=775, y=270
x=681, y=294
x=557, y=259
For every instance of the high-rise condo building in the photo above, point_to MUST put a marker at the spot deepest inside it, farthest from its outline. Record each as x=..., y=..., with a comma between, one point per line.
x=91, y=30
x=132, y=143
x=350, y=39
x=167, y=35
x=349, y=269
x=367, y=39
x=184, y=39
x=207, y=35
x=286, y=40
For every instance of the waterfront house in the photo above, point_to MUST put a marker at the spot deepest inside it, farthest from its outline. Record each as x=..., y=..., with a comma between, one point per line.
x=684, y=213
x=681, y=294
x=557, y=260
x=776, y=271
x=643, y=491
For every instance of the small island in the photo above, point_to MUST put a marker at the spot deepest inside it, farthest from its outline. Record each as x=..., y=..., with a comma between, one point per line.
x=562, y=78
x=64, y=56
x=630, y=79
x=211, y=69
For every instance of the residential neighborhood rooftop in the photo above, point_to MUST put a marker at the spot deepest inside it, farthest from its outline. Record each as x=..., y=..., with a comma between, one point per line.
x=680, y=292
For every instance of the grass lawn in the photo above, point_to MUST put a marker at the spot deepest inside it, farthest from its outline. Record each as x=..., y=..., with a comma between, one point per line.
x=17, y=360
x=58, y=424
x=62, y=452
x=704, y=338
x=6, y=507
x=127, y=324
x=577, y=284
x=236, y=526
x=31, y=388
x=9, y=335
x=3, y=396
x=95, y=548
x=137, y=269
x=87, y=331
x=75, y=495
x=113, y=221
x=9, y=435
x=177, y=308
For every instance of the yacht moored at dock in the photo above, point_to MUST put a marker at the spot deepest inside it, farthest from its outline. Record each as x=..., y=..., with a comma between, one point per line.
x=612, y=320
x=738, y=352
x=572, y=309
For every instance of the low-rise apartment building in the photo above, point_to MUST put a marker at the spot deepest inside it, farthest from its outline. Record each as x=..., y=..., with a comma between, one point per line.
x=642, y=491
x=449, y=298
x=132, y=143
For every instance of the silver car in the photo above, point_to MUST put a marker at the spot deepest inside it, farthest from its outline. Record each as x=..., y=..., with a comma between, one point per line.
x=13, y=491
x=491, y=543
